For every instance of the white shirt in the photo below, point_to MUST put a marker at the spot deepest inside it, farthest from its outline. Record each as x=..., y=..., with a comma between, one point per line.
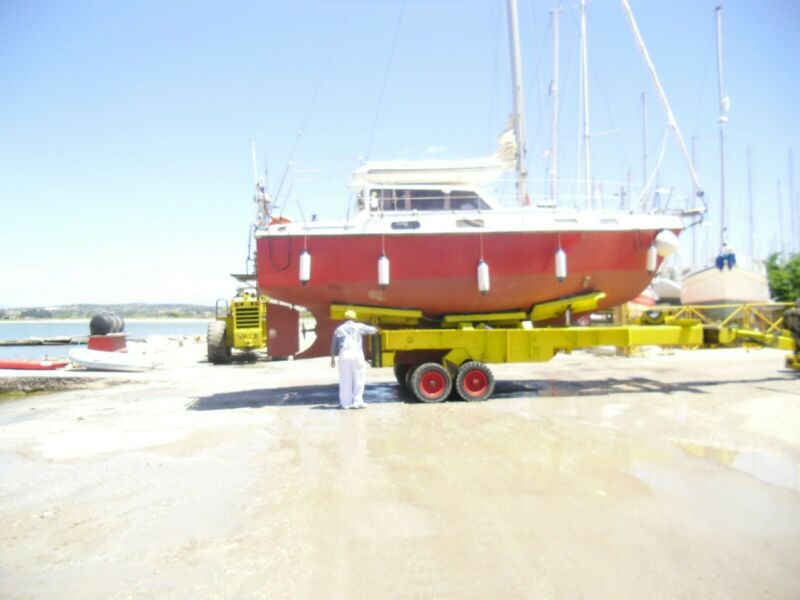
x=346, y=339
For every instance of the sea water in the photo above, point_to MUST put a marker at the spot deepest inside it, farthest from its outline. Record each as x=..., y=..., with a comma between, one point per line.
x=20, y=330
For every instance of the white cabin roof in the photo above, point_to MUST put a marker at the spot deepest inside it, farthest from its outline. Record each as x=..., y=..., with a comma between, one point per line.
x=470, y=171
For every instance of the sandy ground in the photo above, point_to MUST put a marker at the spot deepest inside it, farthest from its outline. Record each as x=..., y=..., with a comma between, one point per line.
x=668, y=476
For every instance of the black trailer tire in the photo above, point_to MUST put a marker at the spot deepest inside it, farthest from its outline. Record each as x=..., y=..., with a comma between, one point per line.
x=409, y=375
x=400, y=372
x=218, y=352
x=474, y=381
x=431, y=382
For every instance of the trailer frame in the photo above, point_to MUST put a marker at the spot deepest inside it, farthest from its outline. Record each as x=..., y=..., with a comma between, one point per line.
x=434, y=359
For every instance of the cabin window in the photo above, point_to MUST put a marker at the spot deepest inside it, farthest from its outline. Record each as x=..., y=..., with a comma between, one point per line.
x=384, y=201
x=389, y=200
x=405, y=225
x=461, y=200
x=427, y=200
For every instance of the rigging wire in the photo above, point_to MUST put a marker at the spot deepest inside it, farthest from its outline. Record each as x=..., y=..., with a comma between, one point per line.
x=579, y=152
x=599, y=83
x=312, y=102
x=704, y=83
x=538, y=80
x=494, y=79
x=565, y=85
x=643, y=194
x=385, y=80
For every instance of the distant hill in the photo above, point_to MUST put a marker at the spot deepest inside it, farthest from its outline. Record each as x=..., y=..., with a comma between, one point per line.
x=131, y=310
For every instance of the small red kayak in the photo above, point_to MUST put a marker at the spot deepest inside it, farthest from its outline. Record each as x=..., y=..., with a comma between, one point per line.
x=36, y=364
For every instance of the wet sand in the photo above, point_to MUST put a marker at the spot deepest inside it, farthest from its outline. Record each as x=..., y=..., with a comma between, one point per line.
x=669, y=476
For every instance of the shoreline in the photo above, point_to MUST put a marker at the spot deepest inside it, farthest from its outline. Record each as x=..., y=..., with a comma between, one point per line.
x=127, y=320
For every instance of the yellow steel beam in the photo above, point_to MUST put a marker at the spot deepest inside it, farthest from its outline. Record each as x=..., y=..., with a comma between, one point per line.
x=532, y=345
x=501, y=318
x=556, y=308
x=378, y=315
x=730, y=336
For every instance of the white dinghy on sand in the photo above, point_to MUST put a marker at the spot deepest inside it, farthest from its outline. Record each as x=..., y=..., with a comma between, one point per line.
x=98, y=360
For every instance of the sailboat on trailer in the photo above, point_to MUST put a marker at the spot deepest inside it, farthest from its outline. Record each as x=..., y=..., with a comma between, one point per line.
x=429, y=235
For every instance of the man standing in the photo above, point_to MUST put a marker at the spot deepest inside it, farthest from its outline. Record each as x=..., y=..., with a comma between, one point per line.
x=347, y=345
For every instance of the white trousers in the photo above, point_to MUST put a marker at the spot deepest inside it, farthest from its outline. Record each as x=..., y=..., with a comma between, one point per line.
x=351, y=380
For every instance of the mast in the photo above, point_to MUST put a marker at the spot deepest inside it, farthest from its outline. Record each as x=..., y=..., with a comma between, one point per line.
x=694, y=229
x=519, y=103
x=724, y=104
x=750, y=204
x=254, y=164
x=587, y=164
x=644, y=141
x=671, y=122
x=792, y=208
x=780, y=220
x=554, y=97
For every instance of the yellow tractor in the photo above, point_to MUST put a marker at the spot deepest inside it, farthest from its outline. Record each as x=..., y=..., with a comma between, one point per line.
x=240, y=324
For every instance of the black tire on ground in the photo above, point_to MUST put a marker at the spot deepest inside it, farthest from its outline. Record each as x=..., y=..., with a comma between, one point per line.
x=400, y=372
x=474, y=381
x=431, y=383
x=409, y=374
x=218, y=352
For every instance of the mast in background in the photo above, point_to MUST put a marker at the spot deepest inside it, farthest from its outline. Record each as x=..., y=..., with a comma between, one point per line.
x=644, y=141
x=782, y=247
x=519, y=102
x=792, y=203
x=554, y=98
x=750, y=205
x=694, y=229
x=587, y=164
x=724, y=105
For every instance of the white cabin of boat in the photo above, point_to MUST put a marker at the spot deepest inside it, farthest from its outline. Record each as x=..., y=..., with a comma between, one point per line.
x=432, y=185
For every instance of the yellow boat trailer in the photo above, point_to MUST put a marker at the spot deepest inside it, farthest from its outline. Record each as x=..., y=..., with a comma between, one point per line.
x=433, y=359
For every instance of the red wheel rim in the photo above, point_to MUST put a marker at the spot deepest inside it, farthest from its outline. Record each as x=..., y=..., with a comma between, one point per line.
x=432, y=384
x=475, y=382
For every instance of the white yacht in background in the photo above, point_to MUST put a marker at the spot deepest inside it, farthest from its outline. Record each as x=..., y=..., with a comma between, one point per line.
x=725, y=281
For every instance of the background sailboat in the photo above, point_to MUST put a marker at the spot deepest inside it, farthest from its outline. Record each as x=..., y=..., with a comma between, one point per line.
x=725, y=281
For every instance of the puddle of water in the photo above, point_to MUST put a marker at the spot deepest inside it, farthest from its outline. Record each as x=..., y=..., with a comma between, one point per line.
x=384, y=392
x=769, y=468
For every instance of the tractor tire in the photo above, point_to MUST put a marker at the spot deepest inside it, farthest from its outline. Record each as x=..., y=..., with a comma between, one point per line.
x=218, y=352
x=474, y=381
x=431, y=382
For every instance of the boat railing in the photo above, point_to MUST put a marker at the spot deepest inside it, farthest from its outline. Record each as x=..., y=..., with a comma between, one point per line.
x=605, y=195
x=320, y=190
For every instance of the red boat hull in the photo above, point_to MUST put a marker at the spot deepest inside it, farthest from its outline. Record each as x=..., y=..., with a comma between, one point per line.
x=33, y=364
x=437, y=274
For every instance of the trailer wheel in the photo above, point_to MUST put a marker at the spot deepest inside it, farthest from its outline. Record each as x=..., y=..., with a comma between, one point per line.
x=474, y=381
x=218, y=352
x=431, y=383
x=400, y=373
x=409, y=386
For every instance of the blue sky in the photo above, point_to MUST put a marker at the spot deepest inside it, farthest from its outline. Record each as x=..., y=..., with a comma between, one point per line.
x=125, y=127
